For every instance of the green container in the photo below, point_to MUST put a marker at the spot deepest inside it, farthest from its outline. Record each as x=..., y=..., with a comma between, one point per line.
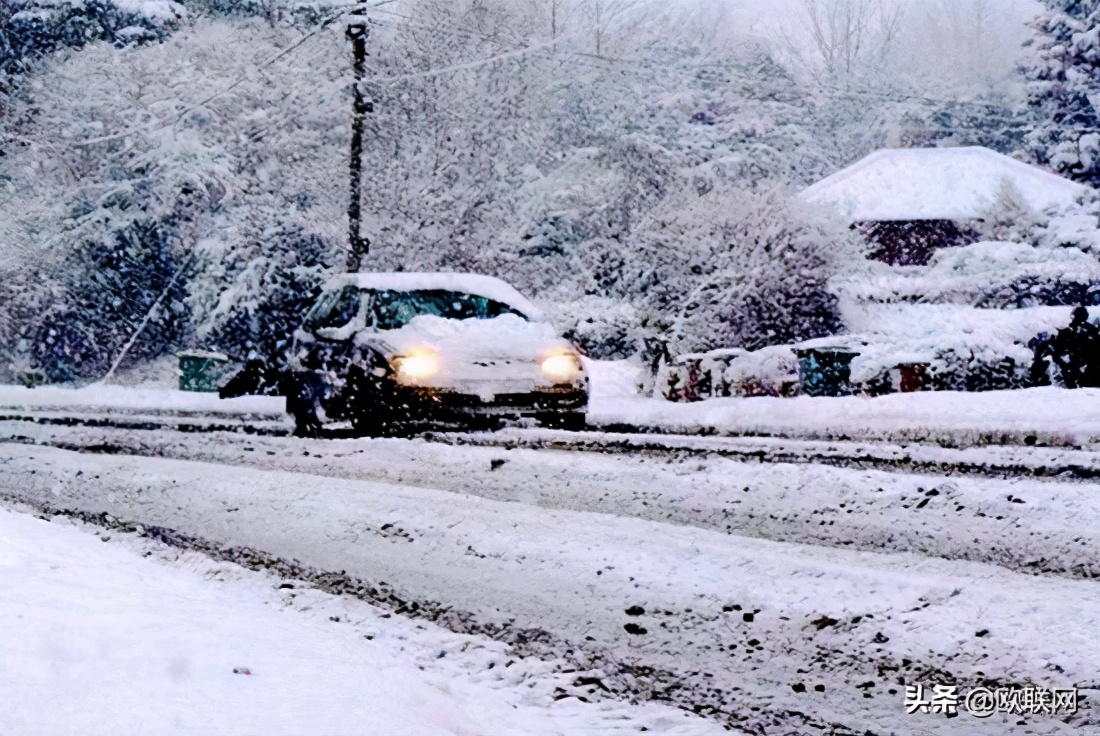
x=201, y=370
x=825, y=371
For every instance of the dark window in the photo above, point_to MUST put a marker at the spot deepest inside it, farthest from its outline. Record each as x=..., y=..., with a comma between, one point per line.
x=333, y=309
x=495, y=309
x=391, y=310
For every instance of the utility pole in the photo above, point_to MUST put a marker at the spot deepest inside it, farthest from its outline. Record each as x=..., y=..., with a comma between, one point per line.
x=358, y=245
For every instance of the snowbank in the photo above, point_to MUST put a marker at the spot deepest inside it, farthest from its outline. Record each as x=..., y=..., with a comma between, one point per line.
x=129, y=400
x=610, y=379
x=1046, y=415
x=96, y=639
x=1039, y=415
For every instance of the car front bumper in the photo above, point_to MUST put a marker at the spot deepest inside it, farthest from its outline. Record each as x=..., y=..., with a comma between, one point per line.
x=558, y=400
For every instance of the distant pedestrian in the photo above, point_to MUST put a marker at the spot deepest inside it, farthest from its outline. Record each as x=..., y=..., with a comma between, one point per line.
x=1076, y=351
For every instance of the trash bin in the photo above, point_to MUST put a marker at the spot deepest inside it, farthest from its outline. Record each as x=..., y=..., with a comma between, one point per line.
x=825, y=371
x=200, y=370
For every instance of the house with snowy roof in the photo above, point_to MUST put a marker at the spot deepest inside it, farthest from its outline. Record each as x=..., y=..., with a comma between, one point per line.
x=909, y=202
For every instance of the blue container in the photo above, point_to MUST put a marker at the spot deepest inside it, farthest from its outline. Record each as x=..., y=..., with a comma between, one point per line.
x=201, y=371
x=825, y=371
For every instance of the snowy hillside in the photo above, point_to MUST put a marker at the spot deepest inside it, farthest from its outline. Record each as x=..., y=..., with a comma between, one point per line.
x=602, y=181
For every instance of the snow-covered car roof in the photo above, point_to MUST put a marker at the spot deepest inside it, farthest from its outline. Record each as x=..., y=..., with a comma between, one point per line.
x=465, y=283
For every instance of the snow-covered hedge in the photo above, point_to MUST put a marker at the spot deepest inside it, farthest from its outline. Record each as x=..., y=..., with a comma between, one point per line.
x=771, y=371
x=967, y=349
x=986, y=274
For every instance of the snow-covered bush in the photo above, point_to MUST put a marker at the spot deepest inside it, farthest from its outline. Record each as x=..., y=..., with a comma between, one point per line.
x=986, y=274
x=743, y=268
x=967, y=349
x=1076, y=227
x=273, y=278
x=606, y=329
x=770, y=371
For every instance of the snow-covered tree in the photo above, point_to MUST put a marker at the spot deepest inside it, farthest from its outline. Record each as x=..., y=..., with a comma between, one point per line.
x=274, y=274
x=740, y=268
x=1009, y=218
x=1064, y=89
x=125, y=290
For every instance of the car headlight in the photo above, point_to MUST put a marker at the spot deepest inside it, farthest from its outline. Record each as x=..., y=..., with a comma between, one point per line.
x=419, y=365
x=561, y=367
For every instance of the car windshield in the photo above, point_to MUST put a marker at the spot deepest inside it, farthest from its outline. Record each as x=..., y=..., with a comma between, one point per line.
x=391, y=310
x=333, y=309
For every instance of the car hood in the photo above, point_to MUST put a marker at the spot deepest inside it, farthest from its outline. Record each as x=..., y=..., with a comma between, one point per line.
x=507, y=337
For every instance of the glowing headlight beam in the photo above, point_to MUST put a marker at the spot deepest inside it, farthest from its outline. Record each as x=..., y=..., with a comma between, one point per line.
x=419, y=365
x=561, y=368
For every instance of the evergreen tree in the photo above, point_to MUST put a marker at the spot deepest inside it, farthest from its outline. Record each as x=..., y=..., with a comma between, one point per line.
x=1064, y=89
x=123, y=282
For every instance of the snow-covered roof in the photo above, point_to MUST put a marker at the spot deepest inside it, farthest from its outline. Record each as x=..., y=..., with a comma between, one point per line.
x=936, y=184
x=466, y=283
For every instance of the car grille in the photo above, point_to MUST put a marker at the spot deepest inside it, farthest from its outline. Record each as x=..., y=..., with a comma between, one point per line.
x=546, y=400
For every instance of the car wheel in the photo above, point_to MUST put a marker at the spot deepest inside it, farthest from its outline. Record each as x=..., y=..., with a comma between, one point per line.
x=301, y=404
x=307, y=425
x=573, y=421
x=370, y=406
x=369, y=424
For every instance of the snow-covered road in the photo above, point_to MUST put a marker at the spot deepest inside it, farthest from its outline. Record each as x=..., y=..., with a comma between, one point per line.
x=1025, y=524
x=727, y=610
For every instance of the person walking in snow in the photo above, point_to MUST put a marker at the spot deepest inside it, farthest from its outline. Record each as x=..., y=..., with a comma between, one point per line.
x=1076, y=351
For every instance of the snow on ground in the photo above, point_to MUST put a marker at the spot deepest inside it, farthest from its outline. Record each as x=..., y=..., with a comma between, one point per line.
x=97, y=639
x=737, y=621
x=111, y=399
x=1045, y=415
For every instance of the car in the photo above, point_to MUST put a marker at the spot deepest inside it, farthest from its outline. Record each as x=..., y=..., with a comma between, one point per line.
x=389, y=352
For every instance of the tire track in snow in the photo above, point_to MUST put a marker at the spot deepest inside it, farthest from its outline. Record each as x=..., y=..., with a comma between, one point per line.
x=747, y=642
x=992, y=460
x=1038, y=527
